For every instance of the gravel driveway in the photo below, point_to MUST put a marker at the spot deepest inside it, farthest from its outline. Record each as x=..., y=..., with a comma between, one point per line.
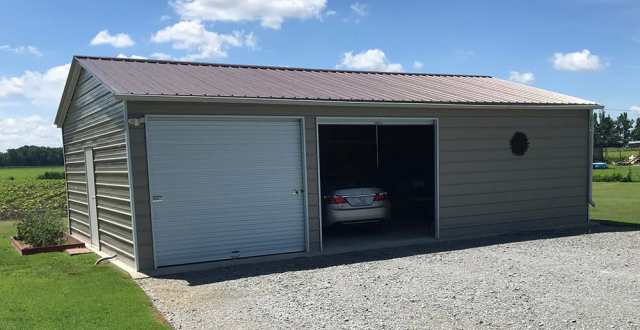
x=557, y=280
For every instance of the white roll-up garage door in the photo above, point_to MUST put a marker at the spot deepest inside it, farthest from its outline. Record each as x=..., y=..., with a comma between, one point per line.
x=225, y=188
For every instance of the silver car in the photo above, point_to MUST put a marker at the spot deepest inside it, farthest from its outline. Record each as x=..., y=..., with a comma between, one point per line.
x=353, y=205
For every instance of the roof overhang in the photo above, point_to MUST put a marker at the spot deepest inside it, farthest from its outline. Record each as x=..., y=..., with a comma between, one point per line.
x=68, y=91
x=384, y=104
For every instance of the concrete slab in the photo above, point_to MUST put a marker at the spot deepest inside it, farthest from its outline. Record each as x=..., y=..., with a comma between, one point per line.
x=362, y=237
x=77, y=251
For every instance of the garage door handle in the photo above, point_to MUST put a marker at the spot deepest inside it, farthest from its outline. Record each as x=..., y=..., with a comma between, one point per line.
x=156, y=198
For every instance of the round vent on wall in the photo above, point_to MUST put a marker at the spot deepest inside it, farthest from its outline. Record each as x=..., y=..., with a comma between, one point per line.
x=519, y=143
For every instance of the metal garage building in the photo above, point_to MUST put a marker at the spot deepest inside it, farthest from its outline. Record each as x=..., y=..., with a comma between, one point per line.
x=173, y=163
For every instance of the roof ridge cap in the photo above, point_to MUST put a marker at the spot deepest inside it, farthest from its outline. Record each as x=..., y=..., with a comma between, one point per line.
x=268, y=67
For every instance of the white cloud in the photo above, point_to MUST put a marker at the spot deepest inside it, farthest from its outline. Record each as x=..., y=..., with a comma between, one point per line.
x=135, y=57
x=270, y=13
x=11, y=85
x=10, y=104
x=203, y=44
x=40, y=88
x=635, y=108
x=360, y=9
x=330, y=13
x=155, y=56
x=161, y=56
x=21, y=50
x=577, y=61
x=120, y=40
x=522, y=77
x=418, y=65
x=464, y=54
x=32, y=91
x=372, y=59
x=31, y=130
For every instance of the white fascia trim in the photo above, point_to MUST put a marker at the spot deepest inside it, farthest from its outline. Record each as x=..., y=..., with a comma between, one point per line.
x=253, y=100
x=67, y=93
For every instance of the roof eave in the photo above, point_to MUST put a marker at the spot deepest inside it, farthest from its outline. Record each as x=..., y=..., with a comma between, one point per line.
x=288, y=101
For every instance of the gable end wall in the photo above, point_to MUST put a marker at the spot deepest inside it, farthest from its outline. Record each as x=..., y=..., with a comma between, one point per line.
x=97, y=120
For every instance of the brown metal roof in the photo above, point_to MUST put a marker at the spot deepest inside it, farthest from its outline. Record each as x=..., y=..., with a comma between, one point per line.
x=131, y=77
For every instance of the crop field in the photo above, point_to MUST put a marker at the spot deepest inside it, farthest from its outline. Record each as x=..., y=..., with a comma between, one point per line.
x=25, y=173
x=21, y=191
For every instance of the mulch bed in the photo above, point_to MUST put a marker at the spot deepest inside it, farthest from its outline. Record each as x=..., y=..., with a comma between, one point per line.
x=26, y=249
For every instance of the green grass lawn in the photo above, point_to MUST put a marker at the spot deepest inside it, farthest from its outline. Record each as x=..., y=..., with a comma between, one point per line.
x=635, y=172
x=25, y=173
x=616, y=201
x=57, y=291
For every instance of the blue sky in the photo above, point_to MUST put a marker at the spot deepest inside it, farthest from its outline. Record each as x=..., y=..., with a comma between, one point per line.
x=585, y=48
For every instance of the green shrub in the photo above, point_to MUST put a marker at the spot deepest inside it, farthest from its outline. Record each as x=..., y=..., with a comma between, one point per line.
x=41, y=228
x=627, y=178
x=615, y=177
x=51, y=176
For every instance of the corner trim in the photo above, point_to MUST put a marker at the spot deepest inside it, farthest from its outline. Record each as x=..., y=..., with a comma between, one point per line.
x=132, y=202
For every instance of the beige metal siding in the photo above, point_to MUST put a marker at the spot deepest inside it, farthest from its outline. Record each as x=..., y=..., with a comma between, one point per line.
x=484, y=189
x=96, y=119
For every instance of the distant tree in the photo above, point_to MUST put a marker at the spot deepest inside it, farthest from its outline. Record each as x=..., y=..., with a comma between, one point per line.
x=622, y=130
x=597, y=142
x=604, y=134
x=635, y=133
x=32, y=156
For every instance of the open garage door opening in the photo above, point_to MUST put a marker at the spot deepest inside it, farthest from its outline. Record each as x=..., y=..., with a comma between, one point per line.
x=378, y=183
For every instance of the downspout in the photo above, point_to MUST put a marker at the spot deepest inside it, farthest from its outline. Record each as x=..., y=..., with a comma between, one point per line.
x=590, y=159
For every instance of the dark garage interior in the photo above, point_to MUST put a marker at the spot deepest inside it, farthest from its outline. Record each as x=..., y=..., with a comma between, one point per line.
x=399, y=160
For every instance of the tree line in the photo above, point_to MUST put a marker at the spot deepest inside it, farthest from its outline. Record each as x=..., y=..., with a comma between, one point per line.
x=32, y=156
x=609, y=132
